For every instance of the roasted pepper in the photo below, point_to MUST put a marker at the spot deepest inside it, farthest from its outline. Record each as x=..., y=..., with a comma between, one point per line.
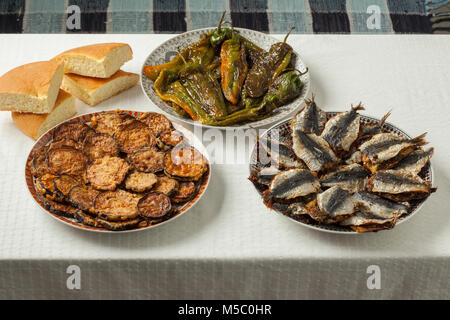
x=285, y=88
x=233, y=69
x=199, y=52
x=220, y=34
x=267, y=68
x=203, y=88
x=169, y=88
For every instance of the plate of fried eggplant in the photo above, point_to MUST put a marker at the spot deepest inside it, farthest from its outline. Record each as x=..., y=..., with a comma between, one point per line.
x=117, y=171
x=341, y=172
x=226, y=77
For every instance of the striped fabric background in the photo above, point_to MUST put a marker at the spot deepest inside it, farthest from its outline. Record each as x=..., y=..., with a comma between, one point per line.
x=275, y=16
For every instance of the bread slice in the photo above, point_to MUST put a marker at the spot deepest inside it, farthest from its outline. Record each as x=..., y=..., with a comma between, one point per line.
x=98, y=60
x=34, y=125
x=94, y=90
x=32, y=87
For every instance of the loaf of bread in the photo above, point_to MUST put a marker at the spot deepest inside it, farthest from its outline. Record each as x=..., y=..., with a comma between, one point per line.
x=97, y=60
x=95, y=90
x=32, y=87
x=34, y=125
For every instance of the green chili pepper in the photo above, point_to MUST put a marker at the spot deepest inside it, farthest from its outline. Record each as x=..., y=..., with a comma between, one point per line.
x=265, y=70
x=233, y=69
x=168, y=88
x=220, y=34
x=200, y=52
x=204, y=89
x=284, y=89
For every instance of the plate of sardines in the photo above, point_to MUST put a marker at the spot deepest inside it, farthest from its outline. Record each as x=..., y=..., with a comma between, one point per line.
x=341, y=172
x=117, y=171
x=226, y=77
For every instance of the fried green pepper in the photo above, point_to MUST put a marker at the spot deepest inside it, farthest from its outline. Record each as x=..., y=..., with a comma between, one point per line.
x=233, y=69
x=285, y=88
x=267, y=68
x=200, y=52
x=220, y=34
x=203, y=88
x=169, y=88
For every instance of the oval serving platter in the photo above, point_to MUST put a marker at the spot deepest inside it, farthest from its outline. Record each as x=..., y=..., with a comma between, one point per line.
x=167, y=50
x=86, y=118
x=283, y=127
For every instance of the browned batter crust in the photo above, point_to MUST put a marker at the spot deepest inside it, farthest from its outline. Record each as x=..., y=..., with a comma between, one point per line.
x=154, y=205
x=108, y=122
x=116, y=205
x=67, y=161
x=72, y=130
x=156, y=122
x=185, y=163
x=39, y=163
x=140, y=181
x=171, y=137
x=99, y=145
x=83, y=197
x=106, y=173
x=64, y=143
x=132, y=135
x=63, y=184
x=147, y=159
x=185, y=192
x=166, y=185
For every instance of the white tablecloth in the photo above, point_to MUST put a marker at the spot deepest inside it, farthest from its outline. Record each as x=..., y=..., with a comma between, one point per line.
x=230, y=245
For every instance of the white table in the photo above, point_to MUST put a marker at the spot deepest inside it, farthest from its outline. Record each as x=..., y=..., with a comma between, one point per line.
x=230, y=245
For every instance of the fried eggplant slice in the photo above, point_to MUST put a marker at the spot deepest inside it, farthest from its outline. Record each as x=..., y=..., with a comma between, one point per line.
x=140, y=181
x=63, y=184
x=108, y=122
x=185, y=192
x=66, y=142
x=46, y=186
x=332, y=205
x=147, y=159
x=399, y=185
x=343, y=129
x=67, y=161
x=61, y=209
x=385, y=150
x=99, y=145
x=132, y=135
x=82, y=197
x=166, y=185
x=116, y=205
x=154, y=205
x=74, y=130
x=185, y=163
x=311, y=119
x=293, y=183
x=39, y=163
x=171, y=138
x=415, y=161
x=352, y=178
x=281, y=154
x=157, y=122
x=119, y=225
x=86, y=219
x=313, y=150
x=107, y=172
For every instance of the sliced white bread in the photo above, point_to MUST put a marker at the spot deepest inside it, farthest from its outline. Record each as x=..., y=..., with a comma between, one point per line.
x=95, y=90
x=34, y=125
x=32, y=87
x=100, y=60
